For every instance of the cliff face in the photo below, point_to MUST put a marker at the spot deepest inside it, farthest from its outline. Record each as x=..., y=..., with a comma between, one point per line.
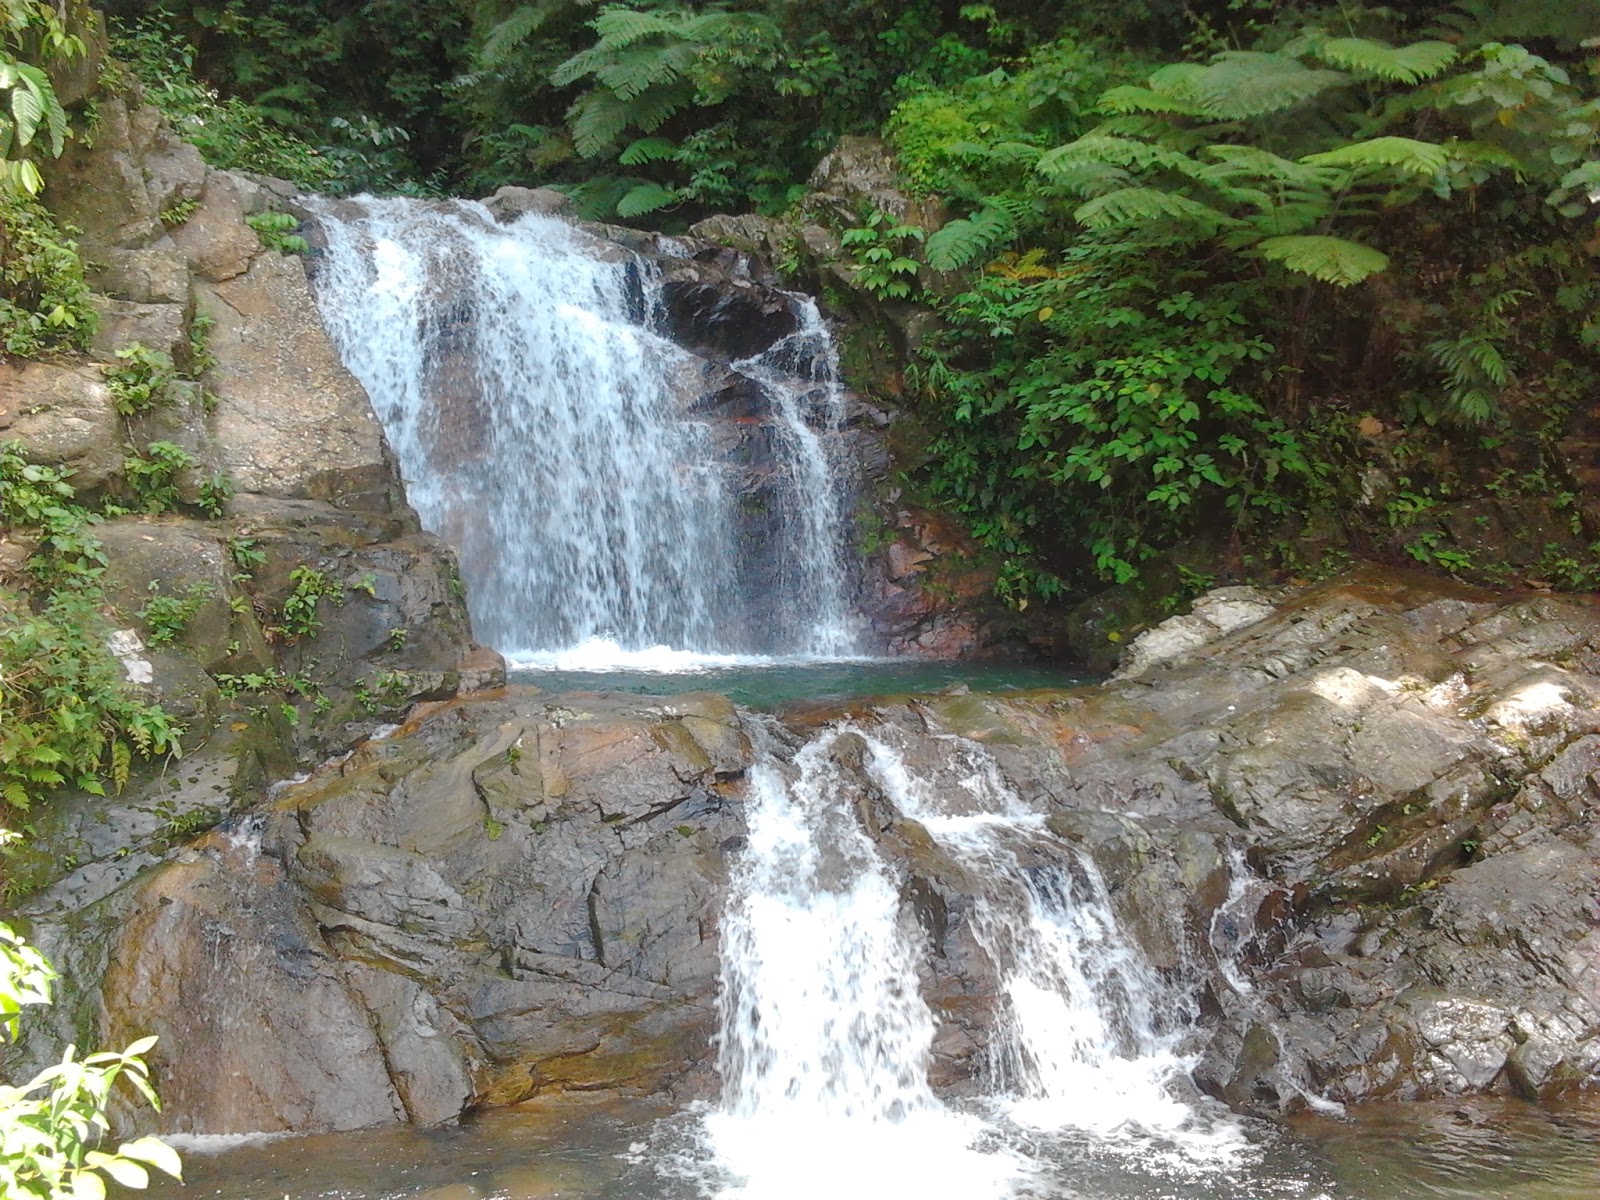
x=281, y=445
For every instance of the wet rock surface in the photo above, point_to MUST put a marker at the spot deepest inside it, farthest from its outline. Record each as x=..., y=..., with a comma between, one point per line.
x=1357, y=832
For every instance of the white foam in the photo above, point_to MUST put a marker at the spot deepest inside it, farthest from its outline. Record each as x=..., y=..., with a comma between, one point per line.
x=218, y=1143
x=606, y=655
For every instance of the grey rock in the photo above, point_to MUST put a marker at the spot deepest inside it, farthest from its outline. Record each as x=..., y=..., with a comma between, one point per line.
x=509, y=203
x=64, y=416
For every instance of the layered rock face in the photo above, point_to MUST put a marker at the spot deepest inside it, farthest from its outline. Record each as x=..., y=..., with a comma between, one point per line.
x=282, y=446
x=1356, y=825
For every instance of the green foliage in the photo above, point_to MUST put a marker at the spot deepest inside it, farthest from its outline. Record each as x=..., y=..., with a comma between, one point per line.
x=31, y=118
x=153, y=475
x=879, y=248
x=51, y=1125
x=1166, y=285
x=276, y=231
x=141, y=379
x=63, y=710
x=300, y=617
x=166, y=617
x=228, y=132
x=213, y=495
x=247, y=554
x=44, y=302
x=65, y=716
x=201, y=357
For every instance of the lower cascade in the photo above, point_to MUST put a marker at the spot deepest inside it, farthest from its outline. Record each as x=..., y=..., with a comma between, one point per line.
x=826, y=1039
x=547, y=428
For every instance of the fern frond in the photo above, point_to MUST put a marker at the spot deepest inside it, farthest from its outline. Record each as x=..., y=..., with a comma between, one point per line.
x=509, y=35
x=597, y=119
x=1244, y=84
x=1396, y=64
x=963, y=241
x=1129, y=98
x=1405, y=154
x=644, y=198
x=1330, y=259
x=1128, y=153
x=996, y=152
x=650, y=149
x=1144, y=205
x=1255, y=163
x=651, y=111
x=622, y=27
x=636, y=71
x=584, y=62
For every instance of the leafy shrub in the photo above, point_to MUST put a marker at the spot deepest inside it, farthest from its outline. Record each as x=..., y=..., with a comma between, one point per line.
x=300, y=608
x=44, y=302
x=64, y=715
x=276, y=231
x=166, y=617
x=50, y=1125
x=153, y=475
x=140, y=379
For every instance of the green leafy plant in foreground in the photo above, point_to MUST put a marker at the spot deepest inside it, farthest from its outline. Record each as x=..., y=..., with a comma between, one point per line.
x=51, y=1125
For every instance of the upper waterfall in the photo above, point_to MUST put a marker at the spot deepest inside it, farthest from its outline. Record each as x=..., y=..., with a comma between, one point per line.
x=547, y=429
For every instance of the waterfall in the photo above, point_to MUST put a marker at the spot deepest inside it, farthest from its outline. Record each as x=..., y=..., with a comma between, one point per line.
x=542, y=428
x=826, y=1039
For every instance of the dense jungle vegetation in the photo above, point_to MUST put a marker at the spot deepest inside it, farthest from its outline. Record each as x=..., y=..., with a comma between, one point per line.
x=1237, y=285
x=1269, y=283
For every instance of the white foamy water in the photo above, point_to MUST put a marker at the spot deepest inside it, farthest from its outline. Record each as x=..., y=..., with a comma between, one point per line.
x=541, y=427
x=1088, y=1035
x=825, y=1037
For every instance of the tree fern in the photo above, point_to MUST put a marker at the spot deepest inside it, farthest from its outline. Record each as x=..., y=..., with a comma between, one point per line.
x=1243, y=84
x=644, y=198
x=1131, y=98
x=1136, y=206
x=597, y=119
x=1405, y=154
x=1395, y=64
x=635, y=71
x=1330, y=259
x=964, y=241
x=620, y=28
x=645, y=150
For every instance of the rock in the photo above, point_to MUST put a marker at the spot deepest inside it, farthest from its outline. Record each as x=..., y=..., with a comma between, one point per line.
x=176, y=558
x=64, y=417
x=215, y=241
x=746, y=232
x=117, y=189
x=860, y=172
x=122, y=323
x=509, y=203
x=518, y=894
x=157, y=274
x=718, y=314
x=1214, y=614
x=291, y=420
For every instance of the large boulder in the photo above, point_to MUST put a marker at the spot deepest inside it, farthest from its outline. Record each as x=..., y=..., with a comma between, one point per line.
x=518, y=896
x=64, y=417
x=291, y=420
